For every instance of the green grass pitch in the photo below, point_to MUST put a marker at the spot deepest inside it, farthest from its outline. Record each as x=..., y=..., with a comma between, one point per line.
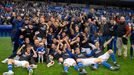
x=127, y=65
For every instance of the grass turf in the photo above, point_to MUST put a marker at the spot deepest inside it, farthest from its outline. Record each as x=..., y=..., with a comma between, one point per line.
x=127, y=65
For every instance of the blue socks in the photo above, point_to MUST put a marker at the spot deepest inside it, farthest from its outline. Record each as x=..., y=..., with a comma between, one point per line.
x=80, y=64
x=76, y=67
x=113, y=57
x=29, y=68
x=10, y=67
x=96, y=66
x=104, y=63
x=66, y=68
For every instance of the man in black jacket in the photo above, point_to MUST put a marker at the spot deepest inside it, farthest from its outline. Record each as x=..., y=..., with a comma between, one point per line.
x=106, y=33
x=122, y=33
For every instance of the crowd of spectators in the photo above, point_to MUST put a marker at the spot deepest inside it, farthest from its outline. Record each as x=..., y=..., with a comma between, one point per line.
x=32, y=9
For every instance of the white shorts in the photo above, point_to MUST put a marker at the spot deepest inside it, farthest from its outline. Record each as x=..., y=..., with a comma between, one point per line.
x=88, y=61
x=20, y=63
x=69, y=62
x=105, y=56
x=41, y=52
x=87, y=50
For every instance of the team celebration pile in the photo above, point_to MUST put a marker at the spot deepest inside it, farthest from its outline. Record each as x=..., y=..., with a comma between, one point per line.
x=46, y=32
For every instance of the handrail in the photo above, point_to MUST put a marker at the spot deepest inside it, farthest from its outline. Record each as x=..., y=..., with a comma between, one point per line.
x=5, y=26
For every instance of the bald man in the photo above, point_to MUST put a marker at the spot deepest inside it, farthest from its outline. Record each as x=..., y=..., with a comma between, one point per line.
x=122, y=33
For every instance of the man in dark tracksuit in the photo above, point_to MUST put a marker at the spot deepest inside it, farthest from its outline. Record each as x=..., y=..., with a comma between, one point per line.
x=132, y=40
x=93, y=31
x=106, y=34
x=16, y=27
x=122, y=32
x=17, y=24
x=112, y=33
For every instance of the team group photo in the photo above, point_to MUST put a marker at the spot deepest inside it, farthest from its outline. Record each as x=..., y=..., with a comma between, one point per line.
x=66, y=37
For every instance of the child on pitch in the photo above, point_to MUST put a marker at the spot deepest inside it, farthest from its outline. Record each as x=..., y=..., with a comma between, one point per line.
x=41, y=51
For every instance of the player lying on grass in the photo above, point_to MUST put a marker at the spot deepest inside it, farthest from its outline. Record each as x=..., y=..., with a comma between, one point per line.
x=16, y=57
x=23, y=60
x=83, y=60
x=67, y=60
x=97, y=52
x=93, y=62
